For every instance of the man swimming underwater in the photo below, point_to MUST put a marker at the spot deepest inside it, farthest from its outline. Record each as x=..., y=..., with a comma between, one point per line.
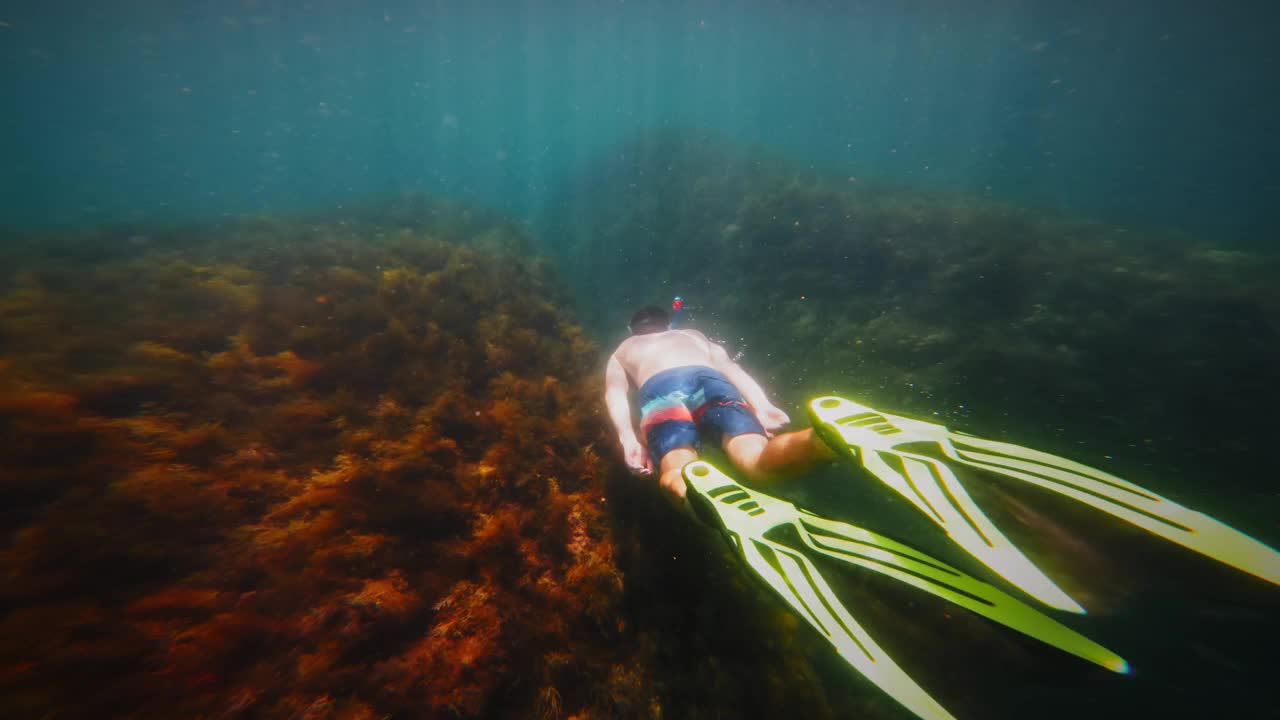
x=688, y=384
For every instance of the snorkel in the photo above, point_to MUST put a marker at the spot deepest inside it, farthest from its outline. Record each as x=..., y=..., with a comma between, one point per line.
x=677, y=312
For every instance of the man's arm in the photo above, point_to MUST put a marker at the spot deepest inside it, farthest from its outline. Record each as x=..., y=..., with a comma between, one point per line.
x=616, y=386
x=746, y=384
x=615, y=398
x=770, y=416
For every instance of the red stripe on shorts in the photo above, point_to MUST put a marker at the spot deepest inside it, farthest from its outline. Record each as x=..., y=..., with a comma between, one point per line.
x=678, y=412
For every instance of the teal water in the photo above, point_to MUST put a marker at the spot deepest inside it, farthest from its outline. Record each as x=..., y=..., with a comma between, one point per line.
x=973, y=212
x=1151, y=111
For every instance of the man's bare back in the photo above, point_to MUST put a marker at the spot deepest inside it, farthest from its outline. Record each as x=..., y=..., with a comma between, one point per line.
x=643, y=356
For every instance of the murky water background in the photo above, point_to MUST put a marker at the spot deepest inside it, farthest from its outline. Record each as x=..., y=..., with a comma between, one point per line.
x=304, y=309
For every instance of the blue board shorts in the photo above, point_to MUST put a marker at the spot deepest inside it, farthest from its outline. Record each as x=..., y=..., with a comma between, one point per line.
x=675, y=404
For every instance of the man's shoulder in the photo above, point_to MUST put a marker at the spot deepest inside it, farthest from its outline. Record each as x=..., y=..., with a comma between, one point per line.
x=696, y=335
x=623, y=351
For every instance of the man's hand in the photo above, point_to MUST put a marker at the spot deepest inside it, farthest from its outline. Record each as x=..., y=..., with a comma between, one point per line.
x=772, y=418
x=636, y=457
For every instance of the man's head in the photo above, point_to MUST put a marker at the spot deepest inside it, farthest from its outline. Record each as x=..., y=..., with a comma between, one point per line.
x=650, y=319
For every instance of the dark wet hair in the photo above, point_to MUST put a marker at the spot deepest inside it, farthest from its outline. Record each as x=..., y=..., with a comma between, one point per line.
x=650, y=319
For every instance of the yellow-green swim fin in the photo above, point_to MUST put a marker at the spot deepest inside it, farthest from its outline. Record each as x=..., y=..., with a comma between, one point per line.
x=747, y=517
x=893, y=448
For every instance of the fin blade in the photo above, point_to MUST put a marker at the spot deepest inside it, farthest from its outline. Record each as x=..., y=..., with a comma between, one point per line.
x=847, y=426
x=794, y=578
x=1138, y=506
x=861, y=547
x=935, y=491
x=798, y=582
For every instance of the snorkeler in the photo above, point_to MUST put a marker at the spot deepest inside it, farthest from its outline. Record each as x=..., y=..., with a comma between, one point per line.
x=686, y=383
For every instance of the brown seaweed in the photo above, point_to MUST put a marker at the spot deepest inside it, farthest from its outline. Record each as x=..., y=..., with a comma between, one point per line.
x=313, y=468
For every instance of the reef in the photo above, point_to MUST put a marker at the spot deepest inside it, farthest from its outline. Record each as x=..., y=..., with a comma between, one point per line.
x=315, y=466
x=992, y=315
x=1136, y=349
x=354, y=464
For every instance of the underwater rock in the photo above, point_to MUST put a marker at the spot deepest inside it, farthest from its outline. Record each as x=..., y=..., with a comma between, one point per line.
x=928, y=302
x=1141, y=351
x=304, y=466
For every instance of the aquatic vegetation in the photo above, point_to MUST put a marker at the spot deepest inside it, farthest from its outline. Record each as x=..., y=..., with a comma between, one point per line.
x=354, y=466
x=977, y=308
x=1139, y=350
x=305, y=467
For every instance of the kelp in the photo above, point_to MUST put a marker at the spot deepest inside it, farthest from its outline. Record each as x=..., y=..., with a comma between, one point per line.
x=336, y=466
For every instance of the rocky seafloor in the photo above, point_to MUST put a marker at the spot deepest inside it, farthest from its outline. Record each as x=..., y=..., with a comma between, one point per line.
x=355, y=464
x=1139, y=350
x=302, y=466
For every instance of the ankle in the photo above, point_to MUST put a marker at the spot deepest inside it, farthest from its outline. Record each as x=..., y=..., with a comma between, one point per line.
x=820, y=447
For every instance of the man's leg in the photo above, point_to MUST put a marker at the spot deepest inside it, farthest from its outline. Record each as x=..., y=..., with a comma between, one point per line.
x=671, y=480
x=764, y=459
x=671, y=444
